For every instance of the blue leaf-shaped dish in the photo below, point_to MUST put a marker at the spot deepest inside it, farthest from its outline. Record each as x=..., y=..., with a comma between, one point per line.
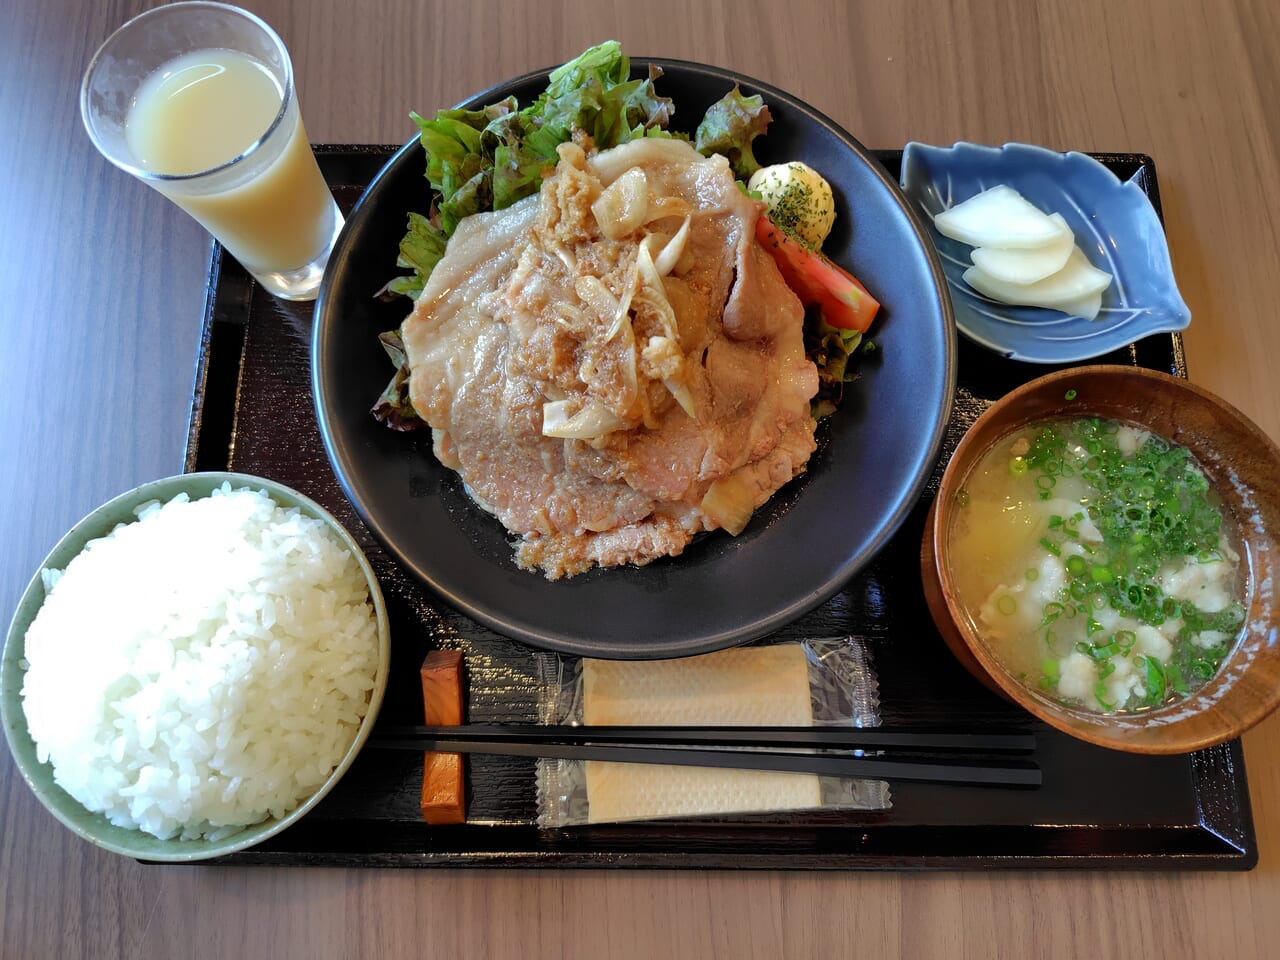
x=1115, y=226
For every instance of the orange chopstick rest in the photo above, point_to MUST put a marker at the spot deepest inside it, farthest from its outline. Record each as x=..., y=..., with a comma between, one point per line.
x=443, y=783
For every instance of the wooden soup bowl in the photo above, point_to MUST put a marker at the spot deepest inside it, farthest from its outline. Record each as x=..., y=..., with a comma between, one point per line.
x=1243, y=465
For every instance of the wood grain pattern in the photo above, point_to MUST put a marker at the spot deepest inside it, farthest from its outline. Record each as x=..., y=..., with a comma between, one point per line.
x=100, y=294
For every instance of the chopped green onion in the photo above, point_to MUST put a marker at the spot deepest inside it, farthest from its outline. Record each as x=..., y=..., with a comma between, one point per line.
x=1155, y=678
x=1125, y=639
x=1100, y=693
x=1152, y=510
x=1108, y=650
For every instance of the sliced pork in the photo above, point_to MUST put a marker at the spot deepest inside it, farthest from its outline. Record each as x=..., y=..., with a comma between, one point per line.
x=614, y=365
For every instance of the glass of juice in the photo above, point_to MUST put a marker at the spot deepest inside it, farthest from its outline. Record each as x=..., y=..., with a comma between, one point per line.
x=198, y=101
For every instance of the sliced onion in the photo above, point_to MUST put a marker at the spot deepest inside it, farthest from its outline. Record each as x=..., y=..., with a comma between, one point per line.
x=591, y=422
x=653, y=293
x=664, y=359
x=608, y=308
x=592, y=291
x=681, y=392
x=665, y=262
x=630, y=378
x=624, y=205
x=623, y=317
x=730, y=502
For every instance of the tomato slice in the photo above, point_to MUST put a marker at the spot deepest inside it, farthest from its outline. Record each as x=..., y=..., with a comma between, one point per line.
x=815, y=279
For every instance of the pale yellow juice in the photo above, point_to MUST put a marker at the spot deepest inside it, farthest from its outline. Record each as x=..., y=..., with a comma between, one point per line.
x=205, y=108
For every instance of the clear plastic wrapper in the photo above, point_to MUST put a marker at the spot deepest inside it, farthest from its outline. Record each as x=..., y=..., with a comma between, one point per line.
x=842, y=692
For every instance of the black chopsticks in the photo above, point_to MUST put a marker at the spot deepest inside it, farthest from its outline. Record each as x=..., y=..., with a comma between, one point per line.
x=862, y=738
x=920, y=755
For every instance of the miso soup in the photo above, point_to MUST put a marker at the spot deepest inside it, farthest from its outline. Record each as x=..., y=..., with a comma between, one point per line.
x=1098, y=564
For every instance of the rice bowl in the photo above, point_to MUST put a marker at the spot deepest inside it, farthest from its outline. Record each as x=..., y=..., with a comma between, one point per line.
x=173, y=740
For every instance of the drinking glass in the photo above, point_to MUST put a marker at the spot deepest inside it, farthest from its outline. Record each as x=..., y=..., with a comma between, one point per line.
x=268, y=205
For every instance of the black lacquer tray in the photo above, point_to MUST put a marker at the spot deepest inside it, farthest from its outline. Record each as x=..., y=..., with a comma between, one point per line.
x=252, y=412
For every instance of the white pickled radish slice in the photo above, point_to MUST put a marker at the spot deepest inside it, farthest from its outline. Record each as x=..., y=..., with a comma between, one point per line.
x=1031, y=264
x=1086, y=307
x=1070, y=285
x=999, y=217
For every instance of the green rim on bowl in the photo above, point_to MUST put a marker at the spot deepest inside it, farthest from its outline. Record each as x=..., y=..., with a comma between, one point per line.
x=95, y=827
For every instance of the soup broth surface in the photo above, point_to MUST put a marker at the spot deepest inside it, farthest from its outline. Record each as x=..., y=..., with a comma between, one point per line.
x=1098, y=564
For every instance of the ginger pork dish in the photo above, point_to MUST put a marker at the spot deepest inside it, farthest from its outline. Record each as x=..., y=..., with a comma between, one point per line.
x=627, y=351
x=614, y=364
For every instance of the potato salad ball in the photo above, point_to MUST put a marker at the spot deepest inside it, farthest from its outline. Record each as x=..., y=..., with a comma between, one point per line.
x=799, y=200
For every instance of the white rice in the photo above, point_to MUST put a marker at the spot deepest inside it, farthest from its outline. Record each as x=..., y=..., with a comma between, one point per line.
x=203, y=668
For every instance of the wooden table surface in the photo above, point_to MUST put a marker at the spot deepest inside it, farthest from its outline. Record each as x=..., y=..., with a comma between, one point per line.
x=101, y=289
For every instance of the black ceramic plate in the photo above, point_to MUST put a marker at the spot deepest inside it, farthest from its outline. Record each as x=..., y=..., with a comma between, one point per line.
x=874, y=454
